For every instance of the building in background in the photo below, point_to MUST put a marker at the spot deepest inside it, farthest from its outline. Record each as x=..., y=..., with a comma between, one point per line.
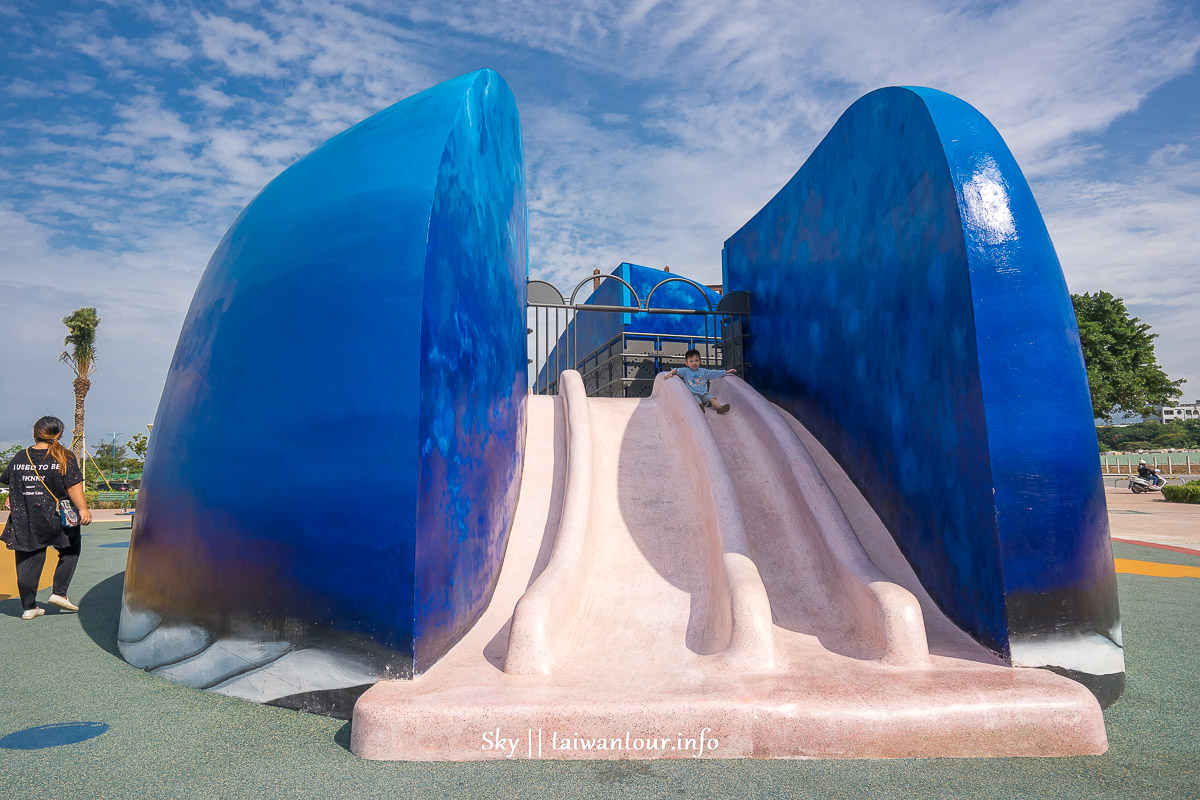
x=1178, y=411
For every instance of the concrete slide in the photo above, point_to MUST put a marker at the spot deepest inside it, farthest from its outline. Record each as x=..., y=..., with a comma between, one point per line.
x=687, y=584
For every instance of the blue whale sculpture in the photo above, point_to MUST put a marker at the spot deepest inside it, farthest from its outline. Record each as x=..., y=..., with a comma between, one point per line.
x=337, y=452
x=909, y=308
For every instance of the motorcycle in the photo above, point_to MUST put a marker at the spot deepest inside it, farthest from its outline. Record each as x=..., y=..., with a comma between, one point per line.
x=1142, y=485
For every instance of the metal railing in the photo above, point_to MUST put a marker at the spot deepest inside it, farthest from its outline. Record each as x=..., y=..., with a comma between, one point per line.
x=623, y=361
x=625, y=365
x=1165, y=463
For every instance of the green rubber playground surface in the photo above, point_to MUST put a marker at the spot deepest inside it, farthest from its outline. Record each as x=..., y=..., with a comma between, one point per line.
x=131, y=734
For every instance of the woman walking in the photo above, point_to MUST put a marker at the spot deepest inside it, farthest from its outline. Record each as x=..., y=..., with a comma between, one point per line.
x=40, y=478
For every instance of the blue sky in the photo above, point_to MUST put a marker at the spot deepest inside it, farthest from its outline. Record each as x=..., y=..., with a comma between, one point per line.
x=132, y=134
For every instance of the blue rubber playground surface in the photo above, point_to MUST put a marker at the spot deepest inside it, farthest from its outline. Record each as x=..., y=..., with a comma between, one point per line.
x=78, y=722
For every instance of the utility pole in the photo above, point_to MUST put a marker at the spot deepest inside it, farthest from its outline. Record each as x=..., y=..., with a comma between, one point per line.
x=115, y=434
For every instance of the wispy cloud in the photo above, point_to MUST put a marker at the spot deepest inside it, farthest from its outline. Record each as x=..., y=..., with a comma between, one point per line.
x=1138, y=238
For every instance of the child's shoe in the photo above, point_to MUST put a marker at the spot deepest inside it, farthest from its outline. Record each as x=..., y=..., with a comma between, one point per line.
x=721, y=409
x=33, y=613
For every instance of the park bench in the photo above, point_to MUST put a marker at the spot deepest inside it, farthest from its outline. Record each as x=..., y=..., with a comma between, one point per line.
x=117, y=497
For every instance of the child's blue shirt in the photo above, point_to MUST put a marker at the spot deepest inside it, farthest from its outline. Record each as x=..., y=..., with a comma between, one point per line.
x=697, y=379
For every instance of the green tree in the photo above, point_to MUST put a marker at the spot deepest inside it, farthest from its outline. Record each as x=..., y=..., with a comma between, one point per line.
x=109, y=458
x=81, y=358
x=7, y=454
x=1153, y=435
x=138, y=444
x=136, y=460
x=1118, y=351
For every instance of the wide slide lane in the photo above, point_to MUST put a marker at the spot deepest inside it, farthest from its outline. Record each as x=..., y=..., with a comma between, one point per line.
x=821, y=581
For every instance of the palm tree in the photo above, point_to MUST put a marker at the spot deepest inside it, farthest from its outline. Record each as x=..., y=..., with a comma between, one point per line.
x=81, y=338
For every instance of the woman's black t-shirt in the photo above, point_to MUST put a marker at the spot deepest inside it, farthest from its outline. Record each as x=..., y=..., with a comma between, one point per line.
x=33, y=521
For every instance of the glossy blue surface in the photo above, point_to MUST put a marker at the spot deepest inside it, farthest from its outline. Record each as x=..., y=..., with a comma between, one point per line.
x=472, y=419
x=910, y=310
x=331, y=424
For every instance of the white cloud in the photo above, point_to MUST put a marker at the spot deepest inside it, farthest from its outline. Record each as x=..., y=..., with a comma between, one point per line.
x=243, y=48
x=213, y=97
x=1138, y=239
x=169, y=48
x=21, y=88
x=141, y=296
x=145, y=119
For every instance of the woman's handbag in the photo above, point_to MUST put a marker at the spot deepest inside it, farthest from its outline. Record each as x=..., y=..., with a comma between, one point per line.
x=68, y=517
x=67, y=513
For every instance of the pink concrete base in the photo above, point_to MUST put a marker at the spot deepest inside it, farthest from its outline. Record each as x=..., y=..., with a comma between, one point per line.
x=823, y=710
x=705, y=586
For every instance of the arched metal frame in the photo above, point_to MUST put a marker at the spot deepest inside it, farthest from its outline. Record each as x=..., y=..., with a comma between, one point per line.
x=535, y=290
x=544, y=298
x=709, y=355
x=573, y=346
x=680, y=279
x=733, y=309
x=597, y=279
x=734, y=303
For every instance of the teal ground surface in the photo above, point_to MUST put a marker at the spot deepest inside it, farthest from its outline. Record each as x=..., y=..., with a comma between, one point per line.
x=168, y=741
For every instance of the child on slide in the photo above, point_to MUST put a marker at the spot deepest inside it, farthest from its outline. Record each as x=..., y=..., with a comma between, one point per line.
x=696, y=379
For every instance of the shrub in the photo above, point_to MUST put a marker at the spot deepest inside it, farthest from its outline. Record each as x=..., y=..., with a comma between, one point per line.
x=1188, y=493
